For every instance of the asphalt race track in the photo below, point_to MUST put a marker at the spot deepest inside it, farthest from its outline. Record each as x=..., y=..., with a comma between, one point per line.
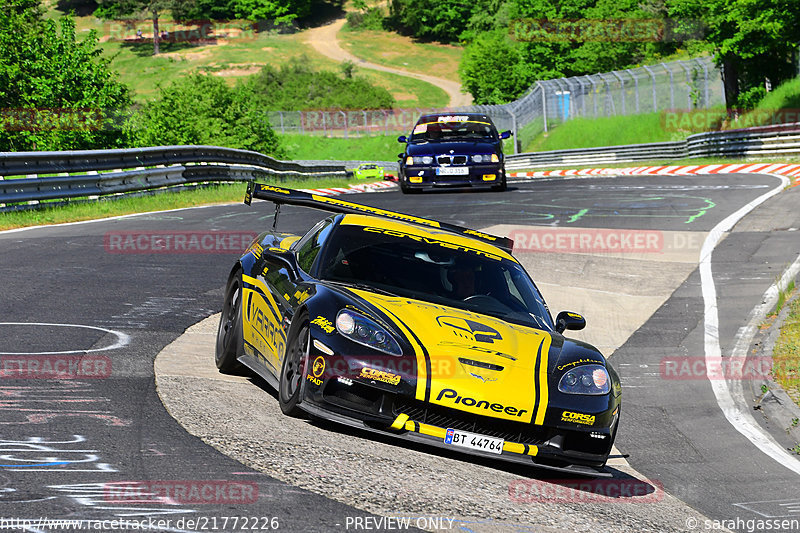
x=71, y=293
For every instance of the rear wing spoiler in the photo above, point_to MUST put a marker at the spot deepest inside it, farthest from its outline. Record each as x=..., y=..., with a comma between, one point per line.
x=281, y=195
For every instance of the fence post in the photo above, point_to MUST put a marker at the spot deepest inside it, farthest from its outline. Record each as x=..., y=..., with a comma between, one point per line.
x=622, y=90
x=671, y=86
x=345, y=123
x=688, y=84
x=281, y=115
x=514, y=130
x=635, y=87
x=706, y=98
x=653, y=77
x=544, y=105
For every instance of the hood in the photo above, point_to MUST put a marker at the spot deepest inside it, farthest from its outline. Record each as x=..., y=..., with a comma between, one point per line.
x=458, y=148
x=473, y=362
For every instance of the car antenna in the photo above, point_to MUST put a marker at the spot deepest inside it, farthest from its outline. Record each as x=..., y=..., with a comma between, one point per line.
x=275, y=218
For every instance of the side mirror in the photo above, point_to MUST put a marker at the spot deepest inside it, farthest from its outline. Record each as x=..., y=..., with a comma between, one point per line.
x=506, y=134
x=400, y=156
x=284, y=258
x=402, y=139
x=569, y=320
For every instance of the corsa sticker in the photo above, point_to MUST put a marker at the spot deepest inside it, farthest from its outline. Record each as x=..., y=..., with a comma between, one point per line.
x=469, y=329
x=379, y=375
x=577, y=418
x=324, y=324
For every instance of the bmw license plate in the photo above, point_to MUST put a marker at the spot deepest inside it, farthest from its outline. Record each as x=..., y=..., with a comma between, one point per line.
x=473, y=441
x=452, y=171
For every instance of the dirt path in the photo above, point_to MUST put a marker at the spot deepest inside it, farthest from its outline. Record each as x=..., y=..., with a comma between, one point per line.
x=324, y=41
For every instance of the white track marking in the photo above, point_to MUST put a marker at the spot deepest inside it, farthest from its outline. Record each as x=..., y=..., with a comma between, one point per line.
x=122, y=338
x=740, y=418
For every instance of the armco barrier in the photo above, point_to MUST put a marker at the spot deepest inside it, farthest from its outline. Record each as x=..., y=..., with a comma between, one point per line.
x=761, y=141
x=138, y=169
x=144, y=169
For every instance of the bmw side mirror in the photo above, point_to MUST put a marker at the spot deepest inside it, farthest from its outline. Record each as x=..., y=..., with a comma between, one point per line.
x=506, y=134
x=400, y=156
x=402, y=139
x=569, y=320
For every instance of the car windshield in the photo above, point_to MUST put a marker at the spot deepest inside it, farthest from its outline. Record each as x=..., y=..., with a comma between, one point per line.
x=453, y=131
x=434, y=271
x=368, y=167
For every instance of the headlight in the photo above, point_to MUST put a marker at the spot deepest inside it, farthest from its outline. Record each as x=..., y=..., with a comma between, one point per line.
x=419, y=160
x=495, y=159
x=478, y=158
x=585, y=379
x=366, y=331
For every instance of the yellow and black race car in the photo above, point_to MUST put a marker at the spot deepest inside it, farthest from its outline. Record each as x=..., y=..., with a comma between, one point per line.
x=420, y=329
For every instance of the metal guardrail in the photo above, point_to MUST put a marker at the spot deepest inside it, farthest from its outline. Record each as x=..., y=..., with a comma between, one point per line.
x=780, y=139
x=187, y=165
x=203, y=164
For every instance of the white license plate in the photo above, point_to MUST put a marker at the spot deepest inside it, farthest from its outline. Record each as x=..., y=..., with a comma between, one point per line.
x=452, y=171
x=473, y=441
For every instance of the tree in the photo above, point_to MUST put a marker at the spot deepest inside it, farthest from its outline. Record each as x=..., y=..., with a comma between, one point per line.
x=439, y=20
x=153, y=9
x=56, y=93
x=753, y=40
x=202, y=109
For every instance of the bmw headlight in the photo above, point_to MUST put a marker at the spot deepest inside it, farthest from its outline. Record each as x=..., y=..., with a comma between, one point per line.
x=478, y=158
x=419, y=160
x=585, y=379
x=366, y=331
x=495, y=159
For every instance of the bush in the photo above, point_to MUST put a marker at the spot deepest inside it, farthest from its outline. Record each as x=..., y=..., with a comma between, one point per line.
x=56, y=93
x=297, y=87
x=202, y=109
x=370, y=19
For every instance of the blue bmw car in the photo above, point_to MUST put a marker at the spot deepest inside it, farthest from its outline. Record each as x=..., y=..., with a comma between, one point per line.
x=453, y=150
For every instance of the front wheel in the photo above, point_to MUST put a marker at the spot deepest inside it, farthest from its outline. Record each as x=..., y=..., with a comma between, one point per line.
x=229, y=333
x=501, y=187
x=293, y=370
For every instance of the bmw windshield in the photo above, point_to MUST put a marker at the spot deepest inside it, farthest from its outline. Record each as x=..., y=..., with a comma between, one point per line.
x=466, y=130
x=433, y=271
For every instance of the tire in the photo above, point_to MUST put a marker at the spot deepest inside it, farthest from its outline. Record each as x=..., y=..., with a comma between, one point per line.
x=230, y=341
x=502, y=187
x=405, y=189
x=293, y=370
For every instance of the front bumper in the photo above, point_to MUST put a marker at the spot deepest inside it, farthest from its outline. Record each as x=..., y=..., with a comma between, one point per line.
x=390, y=411
x=421, y=176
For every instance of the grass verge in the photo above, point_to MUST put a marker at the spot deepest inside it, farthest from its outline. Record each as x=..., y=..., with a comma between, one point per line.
x=607, y=131
x=394, y=50
x=380, y=148
x=237, y=54
x=225, y=193
x=786, y=353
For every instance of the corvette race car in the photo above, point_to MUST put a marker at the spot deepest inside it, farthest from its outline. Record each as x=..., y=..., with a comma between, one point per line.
x=419, y=329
